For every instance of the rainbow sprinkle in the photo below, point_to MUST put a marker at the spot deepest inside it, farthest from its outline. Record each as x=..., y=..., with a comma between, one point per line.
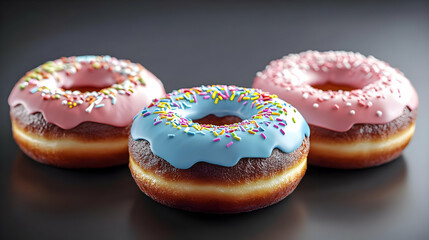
x=127, y=74
x=269, y=111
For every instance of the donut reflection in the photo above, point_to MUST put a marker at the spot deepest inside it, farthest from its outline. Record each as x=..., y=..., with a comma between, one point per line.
x=282, y=220
x=365, y=194
x=37, y=186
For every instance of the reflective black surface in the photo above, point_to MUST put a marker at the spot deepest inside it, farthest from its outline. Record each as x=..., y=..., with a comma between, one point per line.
x=200, y=43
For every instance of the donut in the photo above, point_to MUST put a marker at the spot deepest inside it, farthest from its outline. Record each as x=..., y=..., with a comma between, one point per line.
x=207, y=167
x=74, y=112
x=361, y=111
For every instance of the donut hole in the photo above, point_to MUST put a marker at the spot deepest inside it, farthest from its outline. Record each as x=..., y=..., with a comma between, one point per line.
x=333, y=87
x=88, y=79
x=215, y=120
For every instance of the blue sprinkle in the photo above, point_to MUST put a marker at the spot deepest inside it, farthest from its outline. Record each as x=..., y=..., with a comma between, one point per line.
x=185, y=105
x=171, y=135
x=107, y=58
x=99, y=105
x=191, y=133
x=33, y=90
x=261, y=129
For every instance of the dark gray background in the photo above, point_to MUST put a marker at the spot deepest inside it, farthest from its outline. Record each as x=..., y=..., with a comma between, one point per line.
x=189, y=44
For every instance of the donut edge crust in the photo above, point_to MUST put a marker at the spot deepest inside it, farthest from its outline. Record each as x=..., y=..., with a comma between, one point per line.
x=70, y=151
x=363, y=146
x=220, y=197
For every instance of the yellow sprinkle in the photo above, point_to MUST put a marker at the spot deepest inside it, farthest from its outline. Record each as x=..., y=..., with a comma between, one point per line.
x=237, y=138
x=179, y=128
x=174, y=125
x=254, y=98
x=214, y=94
x=232, y=97
x=222, y=132
x=259, y=107
x=187, y=94
x=162, y=117
x=220, y=97
x=271, y=118
x=167, y=123
x=196, y=127
x=183, y=125
x=181, y=98
x=275, y=113
x=217, y=100
x=246, y=98
x=159, y=112
x=252, y=132
x=215, y=133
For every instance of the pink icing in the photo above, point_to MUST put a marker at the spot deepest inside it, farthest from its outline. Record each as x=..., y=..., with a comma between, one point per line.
x=381, y=93
x=116, y=108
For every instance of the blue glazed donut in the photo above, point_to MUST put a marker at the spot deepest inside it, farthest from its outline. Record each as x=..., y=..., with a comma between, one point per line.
x=228, y=168
x=268, y=123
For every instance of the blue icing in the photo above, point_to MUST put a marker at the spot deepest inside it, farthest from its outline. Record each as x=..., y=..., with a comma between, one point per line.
x=168, y=127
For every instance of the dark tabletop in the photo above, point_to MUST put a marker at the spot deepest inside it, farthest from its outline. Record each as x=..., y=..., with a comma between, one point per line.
x=198, y=43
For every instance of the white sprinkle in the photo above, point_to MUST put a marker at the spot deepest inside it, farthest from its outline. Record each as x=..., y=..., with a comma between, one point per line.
x=379, y=113
x=352, y=112
x=305, y=95
x=369, y=104
x=64, y=102
x=348, y=104
x=315, y=105
x=89, y=109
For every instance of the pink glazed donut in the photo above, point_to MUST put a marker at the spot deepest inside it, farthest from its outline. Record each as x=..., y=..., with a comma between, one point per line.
x=361, y=111
x=74, y=112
